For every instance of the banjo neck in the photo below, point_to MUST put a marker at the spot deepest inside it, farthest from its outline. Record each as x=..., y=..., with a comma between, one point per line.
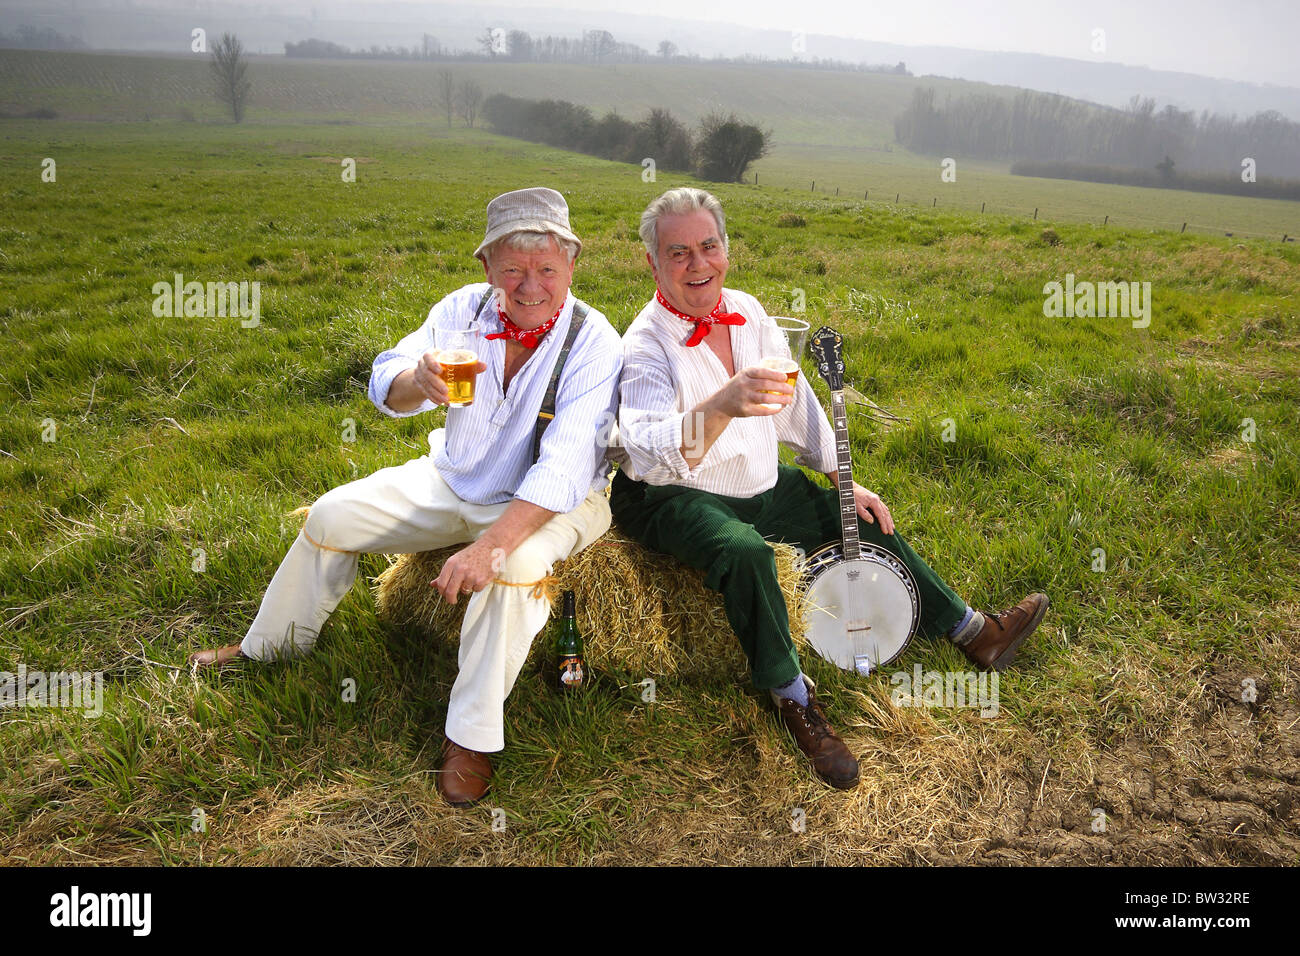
x=844, y=470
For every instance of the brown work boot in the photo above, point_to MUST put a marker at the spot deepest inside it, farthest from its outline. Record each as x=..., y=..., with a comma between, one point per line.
x=997, y=642
x=465, y=775
x=830, y=757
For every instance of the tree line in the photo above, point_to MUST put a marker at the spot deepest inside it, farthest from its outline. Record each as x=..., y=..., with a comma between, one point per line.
x=1046, y=126
x=593, y=46
x=720, y=150
x=1163, y=176
x=40, y=38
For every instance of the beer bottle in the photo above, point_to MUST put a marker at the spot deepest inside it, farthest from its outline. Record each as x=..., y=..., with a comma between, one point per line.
x=568, y=648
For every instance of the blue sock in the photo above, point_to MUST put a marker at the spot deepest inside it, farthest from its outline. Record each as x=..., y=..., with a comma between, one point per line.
x=796, y=691
x=965, y=619
x=967, y=629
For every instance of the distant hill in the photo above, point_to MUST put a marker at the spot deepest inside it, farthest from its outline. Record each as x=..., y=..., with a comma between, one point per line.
x=164, y=26
x=1113, y=84
x=812, y=108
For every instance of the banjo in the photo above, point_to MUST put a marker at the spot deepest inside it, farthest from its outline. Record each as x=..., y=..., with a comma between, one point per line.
x=862, y=603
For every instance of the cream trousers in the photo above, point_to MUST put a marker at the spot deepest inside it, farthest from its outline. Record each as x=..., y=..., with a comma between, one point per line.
x=409, y=508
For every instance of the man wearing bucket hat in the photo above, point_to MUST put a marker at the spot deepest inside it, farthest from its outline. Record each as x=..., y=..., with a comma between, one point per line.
x=517, y=475
x=699, y=424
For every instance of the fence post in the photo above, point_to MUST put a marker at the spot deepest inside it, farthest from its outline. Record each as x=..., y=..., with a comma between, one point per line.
x=813, y=187
x=1107, y=220
x=1184, y=229
x=935, y=203
x=866, y=193
x=896, y=195
x=981, y=207
x=1035, y=212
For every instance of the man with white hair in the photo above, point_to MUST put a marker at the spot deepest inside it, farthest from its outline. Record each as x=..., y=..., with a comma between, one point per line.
x=518, y=475
x=699, y=424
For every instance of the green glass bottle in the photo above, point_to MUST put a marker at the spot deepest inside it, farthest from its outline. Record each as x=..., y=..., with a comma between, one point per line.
x=568, y=649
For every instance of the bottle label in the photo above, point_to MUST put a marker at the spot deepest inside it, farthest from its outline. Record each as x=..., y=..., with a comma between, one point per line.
x=571, y=671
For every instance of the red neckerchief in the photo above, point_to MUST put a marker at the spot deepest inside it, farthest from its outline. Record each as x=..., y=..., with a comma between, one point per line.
x=702, y=325
x=528, y=338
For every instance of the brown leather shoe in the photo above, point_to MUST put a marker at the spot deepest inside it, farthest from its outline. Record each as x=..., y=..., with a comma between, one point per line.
x=830, y=757
x=465, y=775
x=997, y=642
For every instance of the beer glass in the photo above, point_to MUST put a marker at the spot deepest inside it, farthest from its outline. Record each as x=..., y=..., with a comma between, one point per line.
x=458, y=358
x=783, y=343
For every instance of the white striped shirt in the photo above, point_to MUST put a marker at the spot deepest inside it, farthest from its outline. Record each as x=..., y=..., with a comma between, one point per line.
x=486, y=452
x=663, y=380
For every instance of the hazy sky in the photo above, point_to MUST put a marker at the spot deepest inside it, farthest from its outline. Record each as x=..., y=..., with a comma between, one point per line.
x=1253, y=40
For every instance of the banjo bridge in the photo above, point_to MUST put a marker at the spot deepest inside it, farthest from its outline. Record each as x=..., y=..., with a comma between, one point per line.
x=852, y=626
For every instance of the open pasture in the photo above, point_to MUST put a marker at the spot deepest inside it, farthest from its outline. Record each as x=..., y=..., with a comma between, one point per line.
x=148, y=464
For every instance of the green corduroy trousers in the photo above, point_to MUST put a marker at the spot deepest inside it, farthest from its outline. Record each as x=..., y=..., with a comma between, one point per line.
x=727, y=538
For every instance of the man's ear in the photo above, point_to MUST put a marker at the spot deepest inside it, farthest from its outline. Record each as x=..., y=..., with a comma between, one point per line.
x=486, y=274
x=653, y=271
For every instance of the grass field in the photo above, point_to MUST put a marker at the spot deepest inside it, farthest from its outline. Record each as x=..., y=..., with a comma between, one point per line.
x=171, y=435
x=834, y=129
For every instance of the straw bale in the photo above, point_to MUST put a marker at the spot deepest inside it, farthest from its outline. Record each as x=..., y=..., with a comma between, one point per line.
x=639, y=611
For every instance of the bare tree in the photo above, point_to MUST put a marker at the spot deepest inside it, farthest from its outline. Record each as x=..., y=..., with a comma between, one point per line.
x=491, y=41
x=600, y=43
x=469, y=95
x=229, y=68
x=519, y=45
x=446, y=94
x=667, y=49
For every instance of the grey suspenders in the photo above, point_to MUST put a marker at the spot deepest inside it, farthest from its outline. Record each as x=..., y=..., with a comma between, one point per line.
x=481, y=303
x=547, y=411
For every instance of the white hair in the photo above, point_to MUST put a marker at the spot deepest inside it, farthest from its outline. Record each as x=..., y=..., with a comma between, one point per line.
x=526, y=240
x=673, y=203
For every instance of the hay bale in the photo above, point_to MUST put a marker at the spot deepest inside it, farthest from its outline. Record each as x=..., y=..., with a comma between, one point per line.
x=639, y=611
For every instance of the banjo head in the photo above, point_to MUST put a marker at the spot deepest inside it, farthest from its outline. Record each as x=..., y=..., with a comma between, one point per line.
x=860, y=614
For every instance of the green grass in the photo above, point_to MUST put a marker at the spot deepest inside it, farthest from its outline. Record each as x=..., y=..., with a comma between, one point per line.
x=179, y=434
x=831, y=128
x=914, y=181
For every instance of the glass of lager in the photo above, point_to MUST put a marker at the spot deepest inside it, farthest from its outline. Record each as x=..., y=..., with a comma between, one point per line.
x=458, y=358
x=782, y=344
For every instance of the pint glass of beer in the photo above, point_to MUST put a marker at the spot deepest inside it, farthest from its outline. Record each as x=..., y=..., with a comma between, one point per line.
x=458, y=359
x=782, y=344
